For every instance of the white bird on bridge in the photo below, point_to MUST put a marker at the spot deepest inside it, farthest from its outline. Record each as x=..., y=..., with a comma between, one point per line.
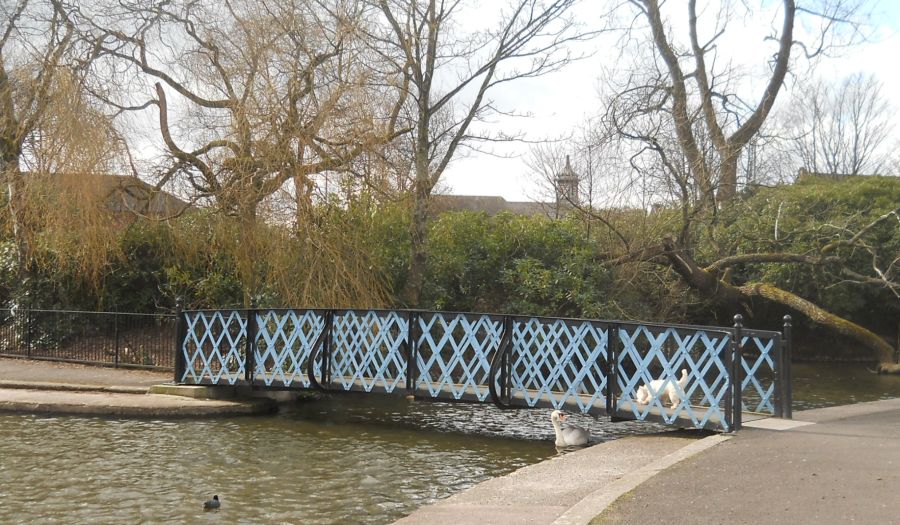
x=570, y=435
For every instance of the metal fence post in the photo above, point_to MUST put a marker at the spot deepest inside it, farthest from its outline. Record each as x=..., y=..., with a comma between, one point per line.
x=28, y=332
x=249, y=349
x=613, y=346
x=116, y=335
x=326, y=355
x=786, y=389
x=728, y=357
x=506, y=372
x=180, y=337
x=737, y=367
x=412, y=351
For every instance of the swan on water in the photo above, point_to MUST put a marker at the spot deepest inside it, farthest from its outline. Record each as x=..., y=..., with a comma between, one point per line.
x=569, y=435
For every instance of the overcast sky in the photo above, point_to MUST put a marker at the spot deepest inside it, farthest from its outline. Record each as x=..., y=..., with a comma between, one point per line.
x=561, y=101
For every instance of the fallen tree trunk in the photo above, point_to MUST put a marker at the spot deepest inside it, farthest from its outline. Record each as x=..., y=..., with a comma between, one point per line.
x=711, y=285
x=883, y=351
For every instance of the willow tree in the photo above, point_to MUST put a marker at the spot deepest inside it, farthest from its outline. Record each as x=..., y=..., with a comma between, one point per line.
x=255, y=99
x=34, y=44
x=449, y=75
x=689, y=113
x=53, y=140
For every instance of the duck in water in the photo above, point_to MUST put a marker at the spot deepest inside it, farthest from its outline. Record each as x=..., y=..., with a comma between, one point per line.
x=212, y=504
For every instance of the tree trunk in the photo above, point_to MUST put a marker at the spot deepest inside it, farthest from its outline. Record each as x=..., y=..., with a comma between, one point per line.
x=10, y=153
x=247, y=254
x=15, y=186
x=727, y=178
x=883, y=351
x=418, y=254
x=418, y=246
x=728, y=295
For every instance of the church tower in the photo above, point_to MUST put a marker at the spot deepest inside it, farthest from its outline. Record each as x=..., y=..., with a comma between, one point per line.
x=566, y=187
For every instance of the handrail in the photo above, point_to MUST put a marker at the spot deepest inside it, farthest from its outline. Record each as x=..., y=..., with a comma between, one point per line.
x=622, y=322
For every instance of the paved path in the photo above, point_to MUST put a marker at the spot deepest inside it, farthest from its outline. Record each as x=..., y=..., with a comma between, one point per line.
x=48, y=387
x=19, y=371
x=119, y=404
x=833, y=465
x=845, y=468
x=564, y=490
x=26, y=371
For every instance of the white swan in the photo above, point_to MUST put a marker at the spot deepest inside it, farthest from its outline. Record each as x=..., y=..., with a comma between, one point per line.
x=570, y=435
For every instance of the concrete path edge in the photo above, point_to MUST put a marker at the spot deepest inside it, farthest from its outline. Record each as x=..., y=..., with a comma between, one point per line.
x=595, y=503
x=70, y=387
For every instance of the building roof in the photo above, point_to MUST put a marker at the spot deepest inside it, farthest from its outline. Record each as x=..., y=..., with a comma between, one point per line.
x=129, y=194
x=491, y=205
x=124, y=194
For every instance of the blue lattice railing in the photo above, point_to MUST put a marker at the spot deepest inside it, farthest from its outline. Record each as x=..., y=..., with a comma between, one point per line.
x=562, y=363
x=657, y=357
x=453, y=354
x=761, y=358
x=672, y=374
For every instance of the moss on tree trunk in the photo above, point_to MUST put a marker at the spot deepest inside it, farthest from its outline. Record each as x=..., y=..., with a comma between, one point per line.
x=884, y=352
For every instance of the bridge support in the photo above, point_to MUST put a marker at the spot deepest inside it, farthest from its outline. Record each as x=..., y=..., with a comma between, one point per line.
x=736, y=375
x=180, y=335
x=613, y=347
x=787, y=393
x=499, y=369
x=250, y=348
x=412, y=351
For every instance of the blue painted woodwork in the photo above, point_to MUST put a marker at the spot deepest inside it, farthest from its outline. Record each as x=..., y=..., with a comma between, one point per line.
x=559, y=362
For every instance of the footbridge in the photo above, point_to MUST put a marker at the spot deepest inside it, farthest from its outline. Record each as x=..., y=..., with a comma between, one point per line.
x=580, y=365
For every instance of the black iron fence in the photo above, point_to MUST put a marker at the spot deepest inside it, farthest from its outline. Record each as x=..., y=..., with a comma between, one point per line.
x=117, y=339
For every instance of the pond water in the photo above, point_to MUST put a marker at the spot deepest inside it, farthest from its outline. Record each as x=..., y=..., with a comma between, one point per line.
x=345, y=459
x=348, y=459
x=818, y=385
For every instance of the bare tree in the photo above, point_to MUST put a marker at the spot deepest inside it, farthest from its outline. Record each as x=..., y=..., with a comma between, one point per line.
x=702, y=94
x=254, y=98
x=688, y=128
x=449, y=76
x=841, y=128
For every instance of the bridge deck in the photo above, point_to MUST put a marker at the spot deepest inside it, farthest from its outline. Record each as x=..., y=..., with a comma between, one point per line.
x=585, y=404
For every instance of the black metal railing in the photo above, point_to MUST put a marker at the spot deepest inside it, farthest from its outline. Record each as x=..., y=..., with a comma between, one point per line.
x=118, y=339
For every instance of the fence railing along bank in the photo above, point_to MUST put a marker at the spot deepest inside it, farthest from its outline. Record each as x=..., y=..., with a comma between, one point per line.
x=117, y=339
x=589, y=366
